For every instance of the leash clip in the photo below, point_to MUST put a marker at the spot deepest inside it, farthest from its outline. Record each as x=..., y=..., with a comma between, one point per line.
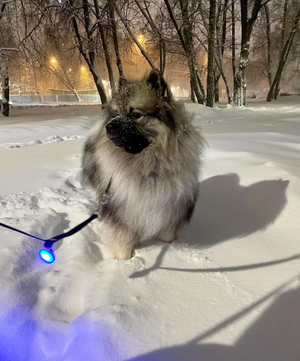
x=104, y=198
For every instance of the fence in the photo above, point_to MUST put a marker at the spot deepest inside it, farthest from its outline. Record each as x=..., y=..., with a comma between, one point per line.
x=47, y=98
x=60, y=98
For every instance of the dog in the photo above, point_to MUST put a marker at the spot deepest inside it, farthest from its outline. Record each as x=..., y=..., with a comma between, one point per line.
x=143, y=157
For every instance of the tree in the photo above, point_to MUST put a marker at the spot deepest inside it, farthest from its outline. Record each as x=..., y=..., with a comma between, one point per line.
x=3, y=4
x=246, y=26
x=220, y=44
x=285, y=48
x=185, y=34
x=4, y=50
x=100, y=17
x=4, y=86
x=127, y=24
x=210, y=57
x=155, y=25
x=4, y=72
x=233, y=49
x=51, y=50
x=221, y=33
x=85, y=40
x=269, y=42
x=113, y=25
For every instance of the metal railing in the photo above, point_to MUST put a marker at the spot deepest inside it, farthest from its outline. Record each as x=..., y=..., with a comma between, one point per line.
x=51, y=98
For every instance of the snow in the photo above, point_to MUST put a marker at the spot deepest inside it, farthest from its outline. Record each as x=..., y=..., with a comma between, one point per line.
x=227, y=290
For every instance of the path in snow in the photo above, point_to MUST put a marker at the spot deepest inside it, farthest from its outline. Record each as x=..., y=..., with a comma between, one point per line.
x=35, y=296
x=51, y=139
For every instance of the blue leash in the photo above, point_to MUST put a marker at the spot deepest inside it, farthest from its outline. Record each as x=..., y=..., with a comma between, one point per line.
x=49, y=242
x=47, y=254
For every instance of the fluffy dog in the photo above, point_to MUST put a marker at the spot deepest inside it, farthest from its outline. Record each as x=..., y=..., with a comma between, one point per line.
x=144, y=155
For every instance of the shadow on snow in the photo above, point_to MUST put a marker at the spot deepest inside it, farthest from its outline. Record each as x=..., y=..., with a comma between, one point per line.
x=227, y=210
x=273, y=337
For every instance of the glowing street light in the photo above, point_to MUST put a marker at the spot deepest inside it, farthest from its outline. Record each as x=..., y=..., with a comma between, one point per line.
x=82, y=68
x=141, y=38
x=54, y=63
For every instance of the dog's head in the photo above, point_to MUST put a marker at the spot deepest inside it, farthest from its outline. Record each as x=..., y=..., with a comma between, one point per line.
x=140, y=113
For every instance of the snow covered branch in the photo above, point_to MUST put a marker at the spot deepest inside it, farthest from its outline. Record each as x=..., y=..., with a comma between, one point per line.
x=9, y=49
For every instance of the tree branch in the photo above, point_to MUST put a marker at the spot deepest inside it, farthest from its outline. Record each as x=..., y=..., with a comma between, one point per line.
x=2, y=8
x=142, y=50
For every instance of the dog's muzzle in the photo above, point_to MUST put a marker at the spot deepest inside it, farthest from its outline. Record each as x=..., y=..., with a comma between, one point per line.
x=122, y=131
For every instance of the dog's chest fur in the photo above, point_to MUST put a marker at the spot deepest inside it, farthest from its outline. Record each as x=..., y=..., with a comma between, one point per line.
x=144, y=200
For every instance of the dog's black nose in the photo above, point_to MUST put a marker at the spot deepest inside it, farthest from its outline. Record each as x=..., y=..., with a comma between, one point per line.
x=113, y=127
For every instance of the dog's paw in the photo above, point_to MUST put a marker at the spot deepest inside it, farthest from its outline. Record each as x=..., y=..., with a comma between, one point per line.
x=168, y=236
x=123, y=253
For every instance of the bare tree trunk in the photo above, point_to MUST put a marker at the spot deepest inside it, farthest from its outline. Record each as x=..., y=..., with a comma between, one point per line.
x=210, y=54
x=233, y=49
x=187, y=37
x=105, y=48
x=283, y=27
x=162, y=46
x=89, y=53
x=5, y=86
x=97, y=79
x=220, y=48
x=2, y=8
x=224, y=31
x=78, y=97
x=199, y=81
x=162, y=56
x=247, y=26
x=217, y=73
x=194, y=80
x=107, y=59
x=217, y=76
x=240, y=76
x=115, y=38
x=283, y=31
x=269, y=56
x=274, y=89
x=133, y=37
x=220, y=65
x=193, y=99
x=4, y=75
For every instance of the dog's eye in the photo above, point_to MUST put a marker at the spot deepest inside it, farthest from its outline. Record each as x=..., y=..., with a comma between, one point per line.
x=136, y=115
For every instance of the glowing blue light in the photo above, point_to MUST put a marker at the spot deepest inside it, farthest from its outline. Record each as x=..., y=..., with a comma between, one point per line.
x=47, y=255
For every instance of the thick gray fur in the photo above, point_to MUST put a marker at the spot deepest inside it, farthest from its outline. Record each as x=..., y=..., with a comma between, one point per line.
x=153, y=192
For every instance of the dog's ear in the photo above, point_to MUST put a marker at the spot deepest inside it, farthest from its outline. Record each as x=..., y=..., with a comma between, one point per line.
x=158, y=84
x=122, y=82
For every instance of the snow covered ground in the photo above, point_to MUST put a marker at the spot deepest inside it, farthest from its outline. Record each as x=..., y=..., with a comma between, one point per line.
x=227, y=290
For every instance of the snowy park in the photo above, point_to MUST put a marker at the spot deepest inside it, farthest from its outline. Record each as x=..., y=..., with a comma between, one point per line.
x=227, y=289
x=149, y=180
